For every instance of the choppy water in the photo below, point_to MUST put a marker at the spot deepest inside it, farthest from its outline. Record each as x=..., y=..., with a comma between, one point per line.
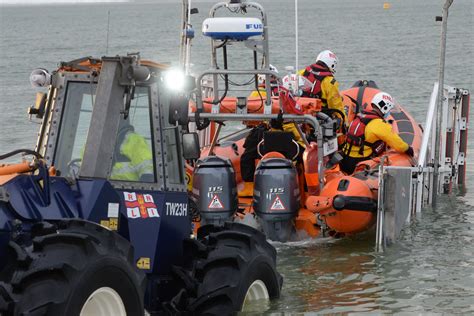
x=431, y=269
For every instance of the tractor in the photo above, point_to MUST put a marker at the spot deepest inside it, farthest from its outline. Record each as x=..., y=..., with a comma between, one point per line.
x=96, y=221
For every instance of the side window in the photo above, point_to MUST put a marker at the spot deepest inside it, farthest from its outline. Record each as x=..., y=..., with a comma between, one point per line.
x=75, y=123
x=172, y=150
x=174, y=170
x=133, y=158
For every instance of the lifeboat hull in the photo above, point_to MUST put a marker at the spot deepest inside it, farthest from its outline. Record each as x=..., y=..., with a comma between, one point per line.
x=346, y=204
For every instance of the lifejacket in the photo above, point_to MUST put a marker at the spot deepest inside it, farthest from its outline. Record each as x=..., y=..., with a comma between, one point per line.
x=316, y=73
x=355, y=135
x=288, y=101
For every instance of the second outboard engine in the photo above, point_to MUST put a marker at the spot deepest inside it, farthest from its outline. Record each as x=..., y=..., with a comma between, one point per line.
x=276, y=197
x=214, y=190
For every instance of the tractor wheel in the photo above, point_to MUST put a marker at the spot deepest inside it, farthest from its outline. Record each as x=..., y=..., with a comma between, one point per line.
x=228, y=268
x=71, y=267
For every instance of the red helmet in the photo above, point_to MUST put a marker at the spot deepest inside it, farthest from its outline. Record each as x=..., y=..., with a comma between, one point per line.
x=290, y=106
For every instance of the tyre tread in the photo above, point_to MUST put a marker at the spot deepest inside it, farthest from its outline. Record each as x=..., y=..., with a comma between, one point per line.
x=37, y=268
x=217, y=248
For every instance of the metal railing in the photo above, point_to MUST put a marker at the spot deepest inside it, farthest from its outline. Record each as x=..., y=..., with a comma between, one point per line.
x=401, y=196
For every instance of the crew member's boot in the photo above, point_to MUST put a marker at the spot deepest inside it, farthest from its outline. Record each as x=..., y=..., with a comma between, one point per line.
x=247, y=190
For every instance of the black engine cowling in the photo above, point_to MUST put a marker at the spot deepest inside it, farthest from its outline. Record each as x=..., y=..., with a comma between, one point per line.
x=214, y=190
x=276, y=197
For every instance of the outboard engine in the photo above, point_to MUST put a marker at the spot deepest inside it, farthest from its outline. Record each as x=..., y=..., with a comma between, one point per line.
x=214, y=190
x=276, y=199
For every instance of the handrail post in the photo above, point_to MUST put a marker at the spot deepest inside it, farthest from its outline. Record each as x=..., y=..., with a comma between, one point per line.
x=428, y=127
x=442, y=59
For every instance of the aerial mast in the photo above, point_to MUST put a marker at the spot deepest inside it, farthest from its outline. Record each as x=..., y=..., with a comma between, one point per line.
x=187, y=34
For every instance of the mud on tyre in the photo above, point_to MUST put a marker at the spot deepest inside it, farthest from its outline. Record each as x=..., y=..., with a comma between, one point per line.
x=222, y=264
x=66, y=262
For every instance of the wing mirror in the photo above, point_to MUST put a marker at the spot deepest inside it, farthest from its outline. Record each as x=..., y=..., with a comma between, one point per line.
x=191, y=148
x=178, y=111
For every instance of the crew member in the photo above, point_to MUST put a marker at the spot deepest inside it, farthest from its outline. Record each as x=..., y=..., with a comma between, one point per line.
x=323, y=84
x=133, y=159
x=368, y=134
x=250, y=154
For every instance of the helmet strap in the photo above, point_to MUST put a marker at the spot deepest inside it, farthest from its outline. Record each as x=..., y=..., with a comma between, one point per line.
x=377, y=111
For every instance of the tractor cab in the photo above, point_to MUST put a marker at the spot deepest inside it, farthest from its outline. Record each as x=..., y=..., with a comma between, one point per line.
x=108, y=151
x=109, y=119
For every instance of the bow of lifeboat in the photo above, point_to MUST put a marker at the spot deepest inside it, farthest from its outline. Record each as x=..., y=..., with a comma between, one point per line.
x=348, y=203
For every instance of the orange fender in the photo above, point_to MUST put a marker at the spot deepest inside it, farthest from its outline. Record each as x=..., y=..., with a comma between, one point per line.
x=317, y=203
x=347, y=221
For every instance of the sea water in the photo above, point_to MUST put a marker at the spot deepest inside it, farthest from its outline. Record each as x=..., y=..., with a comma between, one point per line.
x=431, y=269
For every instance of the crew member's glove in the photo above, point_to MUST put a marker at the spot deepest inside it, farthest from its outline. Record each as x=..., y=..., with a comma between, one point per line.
x=409, y=151
x=278, y=122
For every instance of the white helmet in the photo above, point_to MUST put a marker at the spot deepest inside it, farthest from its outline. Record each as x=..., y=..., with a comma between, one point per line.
x=273, y=68
x=384, y=102
x=261, y=77
x=329, y=59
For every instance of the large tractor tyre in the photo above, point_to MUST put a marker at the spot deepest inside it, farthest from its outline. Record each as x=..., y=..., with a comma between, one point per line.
x=71, y=267
x=227, y=267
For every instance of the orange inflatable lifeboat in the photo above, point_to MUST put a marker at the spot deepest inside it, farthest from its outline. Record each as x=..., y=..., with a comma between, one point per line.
x=346, y=204
x=354, y=197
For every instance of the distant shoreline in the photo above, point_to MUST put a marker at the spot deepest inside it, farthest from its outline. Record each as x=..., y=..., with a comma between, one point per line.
x=94, y=2
x=61, y=2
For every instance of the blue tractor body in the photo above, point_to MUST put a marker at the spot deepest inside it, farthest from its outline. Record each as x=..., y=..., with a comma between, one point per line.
x=156, y=238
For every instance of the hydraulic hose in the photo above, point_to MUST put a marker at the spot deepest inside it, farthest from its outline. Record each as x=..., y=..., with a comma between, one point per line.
x=19, y=151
